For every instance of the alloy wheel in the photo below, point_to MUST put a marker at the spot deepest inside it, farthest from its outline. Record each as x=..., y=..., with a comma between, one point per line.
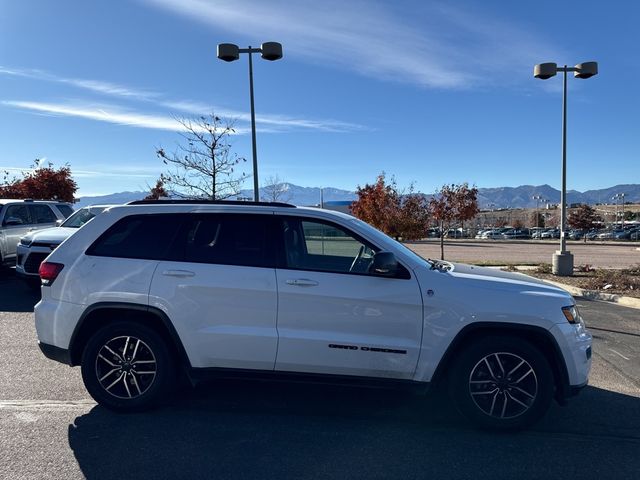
x=503, y=385
x=125, y=367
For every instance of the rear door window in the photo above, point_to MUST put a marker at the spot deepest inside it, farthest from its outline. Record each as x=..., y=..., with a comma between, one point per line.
x=225, y=239
x=42, y=214
x=138, y=236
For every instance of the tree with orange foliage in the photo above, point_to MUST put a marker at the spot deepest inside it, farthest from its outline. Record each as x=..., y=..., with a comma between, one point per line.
x=41, y=182
x=453, y=203
x=398, y=214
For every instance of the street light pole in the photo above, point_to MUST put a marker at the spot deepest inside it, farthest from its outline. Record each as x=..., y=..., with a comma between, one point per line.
x=537, y=198
x=563, y=194
x=256, y=188
x=563, y=259
x=230, y=52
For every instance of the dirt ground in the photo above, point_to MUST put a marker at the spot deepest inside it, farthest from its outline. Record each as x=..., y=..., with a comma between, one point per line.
x=597, y=255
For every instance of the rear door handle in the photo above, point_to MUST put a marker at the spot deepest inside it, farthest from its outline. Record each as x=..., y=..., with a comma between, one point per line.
x=302, y=282
x=179, y=273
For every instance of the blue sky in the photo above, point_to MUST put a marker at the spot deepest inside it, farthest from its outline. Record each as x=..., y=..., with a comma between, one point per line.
x=433, y=92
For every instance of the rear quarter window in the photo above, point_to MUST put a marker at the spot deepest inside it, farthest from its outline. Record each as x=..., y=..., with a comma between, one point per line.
x=138, y=236
x=65, y=210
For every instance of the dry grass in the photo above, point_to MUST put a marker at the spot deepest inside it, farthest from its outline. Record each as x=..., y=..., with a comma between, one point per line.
x=619, y=282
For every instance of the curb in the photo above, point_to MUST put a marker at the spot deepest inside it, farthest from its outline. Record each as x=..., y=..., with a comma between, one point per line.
x=630, y=302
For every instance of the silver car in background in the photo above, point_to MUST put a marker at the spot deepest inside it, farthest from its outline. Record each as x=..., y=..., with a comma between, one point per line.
x=35, y=247
x=20, y=217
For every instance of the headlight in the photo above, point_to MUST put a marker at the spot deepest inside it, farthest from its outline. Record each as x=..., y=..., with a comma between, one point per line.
x=26, y=242
x=572, y=314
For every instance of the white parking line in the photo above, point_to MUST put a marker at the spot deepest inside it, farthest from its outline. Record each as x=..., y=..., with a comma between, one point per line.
x=45, y=404
x=619, y=354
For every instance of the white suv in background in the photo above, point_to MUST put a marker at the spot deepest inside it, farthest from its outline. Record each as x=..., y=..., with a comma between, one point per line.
x=19, y=217
x=150, y=289
x=36, y=246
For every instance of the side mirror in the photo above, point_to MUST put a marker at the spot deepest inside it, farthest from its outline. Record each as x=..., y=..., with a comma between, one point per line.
x=59, y=222
x=12, y=221
x=384, y=264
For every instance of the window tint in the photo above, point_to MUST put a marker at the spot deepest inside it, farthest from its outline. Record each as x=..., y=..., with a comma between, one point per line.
x=18, y=213
x=138, y=236
x=226, y=239
x=311, y=245
x=66, y=210
x=42, y=214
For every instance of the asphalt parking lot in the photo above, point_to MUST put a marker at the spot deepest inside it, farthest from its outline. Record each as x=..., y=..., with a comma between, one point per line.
x=52, y=429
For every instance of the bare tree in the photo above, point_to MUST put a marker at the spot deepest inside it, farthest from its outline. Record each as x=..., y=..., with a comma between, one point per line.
x=276, y=189
x=204, y=167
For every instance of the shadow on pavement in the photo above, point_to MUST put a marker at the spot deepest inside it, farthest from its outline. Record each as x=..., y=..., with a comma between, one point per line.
x=259, y=430
x=15, y=294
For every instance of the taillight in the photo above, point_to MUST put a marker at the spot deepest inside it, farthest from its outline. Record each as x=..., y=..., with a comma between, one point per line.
x=49, y=271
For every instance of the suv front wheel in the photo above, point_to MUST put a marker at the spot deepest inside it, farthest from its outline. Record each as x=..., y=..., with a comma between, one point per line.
x=501, y=383
x=126, y=366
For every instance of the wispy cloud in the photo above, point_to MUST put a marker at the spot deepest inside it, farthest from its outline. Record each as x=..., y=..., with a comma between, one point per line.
x=96, y=86
x=102, y=113
x=266, y=122
x=275, y=122
x=433, y=45
x=105, y=171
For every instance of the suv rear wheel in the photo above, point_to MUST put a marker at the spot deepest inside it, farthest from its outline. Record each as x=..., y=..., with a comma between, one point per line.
x=126, y=366
x=502, y=383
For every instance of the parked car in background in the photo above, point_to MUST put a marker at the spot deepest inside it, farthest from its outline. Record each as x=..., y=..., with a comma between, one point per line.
x=626, y=233
x=516, y=233
x=576, y=234
x=36, y=246
x=609, y=234
x=535, y=231
x=550, y=233
x=495, y=234
x=592, y=234
x=20, y=217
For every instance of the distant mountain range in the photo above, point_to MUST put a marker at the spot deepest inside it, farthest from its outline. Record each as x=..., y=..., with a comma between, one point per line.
x=501, y=197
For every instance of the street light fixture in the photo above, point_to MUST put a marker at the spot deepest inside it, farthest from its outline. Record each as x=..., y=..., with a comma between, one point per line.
x=563, y=259
x=538, y=199
x=621, y=197
x=230, y=52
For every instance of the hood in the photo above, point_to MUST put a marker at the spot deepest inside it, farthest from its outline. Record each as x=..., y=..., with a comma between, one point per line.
x=505, y=280
x=54, y=235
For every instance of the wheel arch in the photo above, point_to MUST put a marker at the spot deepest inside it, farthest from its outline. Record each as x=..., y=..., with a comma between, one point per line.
x=100, y=314
x=537, y=336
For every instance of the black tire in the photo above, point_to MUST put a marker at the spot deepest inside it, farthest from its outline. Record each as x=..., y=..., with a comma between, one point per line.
x=484, y=392
x=138, y=388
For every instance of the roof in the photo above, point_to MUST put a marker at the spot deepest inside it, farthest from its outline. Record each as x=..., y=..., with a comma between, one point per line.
x=211, y=202
x=29, y=200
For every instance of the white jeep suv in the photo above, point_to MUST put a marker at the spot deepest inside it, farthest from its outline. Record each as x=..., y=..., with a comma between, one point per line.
x=156, y=288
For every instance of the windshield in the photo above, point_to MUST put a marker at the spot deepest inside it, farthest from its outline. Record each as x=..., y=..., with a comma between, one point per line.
x=378, y=234
x=82, y=216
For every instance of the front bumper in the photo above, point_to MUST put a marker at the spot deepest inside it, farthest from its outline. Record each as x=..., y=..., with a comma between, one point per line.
x=576, y=351
x=28, y=260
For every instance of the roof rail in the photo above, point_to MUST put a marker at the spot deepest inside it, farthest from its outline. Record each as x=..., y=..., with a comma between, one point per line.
x=210, y=202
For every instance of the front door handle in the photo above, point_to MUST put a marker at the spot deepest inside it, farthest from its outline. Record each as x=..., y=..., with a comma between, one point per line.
x=178, y=273
x=302, y=282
